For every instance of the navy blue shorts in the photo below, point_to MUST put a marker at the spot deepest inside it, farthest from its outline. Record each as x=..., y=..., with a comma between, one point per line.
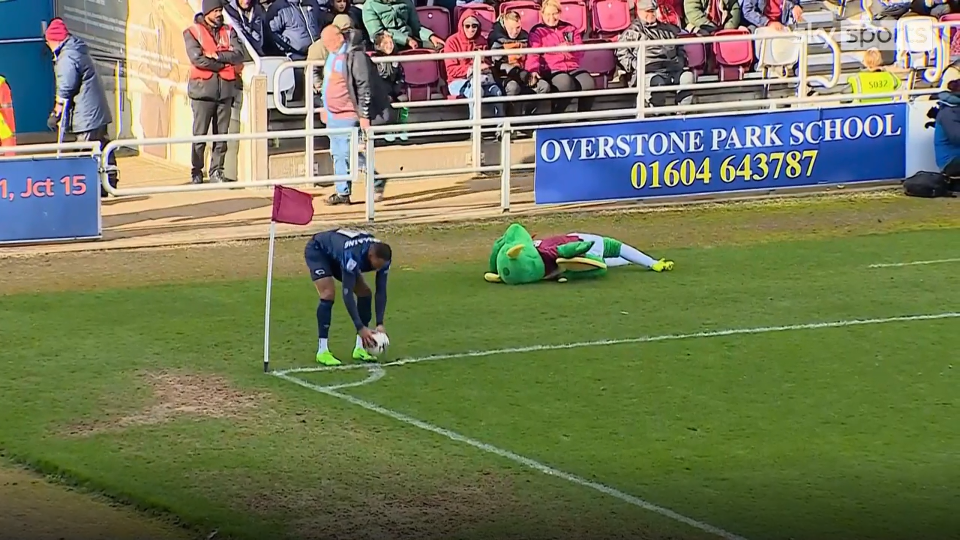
x=320, y=264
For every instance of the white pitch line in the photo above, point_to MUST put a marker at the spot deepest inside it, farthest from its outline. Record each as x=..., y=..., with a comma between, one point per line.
x=516, y=458
x=644, y=339
x=914, y=263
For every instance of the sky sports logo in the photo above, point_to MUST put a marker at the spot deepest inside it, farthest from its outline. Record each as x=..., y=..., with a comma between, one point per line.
x=860, y=36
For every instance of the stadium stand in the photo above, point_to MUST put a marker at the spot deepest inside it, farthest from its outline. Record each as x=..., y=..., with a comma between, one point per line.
x=603, y=20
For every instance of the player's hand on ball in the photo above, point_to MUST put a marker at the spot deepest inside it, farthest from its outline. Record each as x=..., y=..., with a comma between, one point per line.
x=367, y=337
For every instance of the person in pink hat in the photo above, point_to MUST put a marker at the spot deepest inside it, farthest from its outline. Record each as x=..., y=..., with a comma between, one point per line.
x=81, y=105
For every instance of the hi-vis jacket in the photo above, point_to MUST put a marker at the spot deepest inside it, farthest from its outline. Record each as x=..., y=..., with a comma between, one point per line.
x=216, y=59
x=8, y=124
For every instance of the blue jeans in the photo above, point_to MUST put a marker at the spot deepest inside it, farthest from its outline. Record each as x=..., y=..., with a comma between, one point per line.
x=340, y=151
x=464, y=88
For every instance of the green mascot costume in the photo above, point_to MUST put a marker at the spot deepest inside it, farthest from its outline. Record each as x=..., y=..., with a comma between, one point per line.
x=517, y=258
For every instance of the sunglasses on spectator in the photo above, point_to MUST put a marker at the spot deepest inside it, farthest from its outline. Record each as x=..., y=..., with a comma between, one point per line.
x=472, y=26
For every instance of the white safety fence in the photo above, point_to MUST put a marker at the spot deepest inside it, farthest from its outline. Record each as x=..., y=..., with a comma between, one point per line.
x=802, y=80
x=504, y=127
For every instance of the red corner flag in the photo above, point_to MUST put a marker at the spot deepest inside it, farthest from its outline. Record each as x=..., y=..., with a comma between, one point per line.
x=292, y=206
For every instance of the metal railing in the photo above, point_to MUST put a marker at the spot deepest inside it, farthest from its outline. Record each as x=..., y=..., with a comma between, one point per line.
x=477, y=101
x=308, y=178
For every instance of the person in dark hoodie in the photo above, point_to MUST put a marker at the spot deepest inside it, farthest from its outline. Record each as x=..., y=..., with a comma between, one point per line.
x=508, y=70
x=294, y=25
x=353, y=95
x=216, y=58
x=249, y=17
x=946, y=133
x=460, y=70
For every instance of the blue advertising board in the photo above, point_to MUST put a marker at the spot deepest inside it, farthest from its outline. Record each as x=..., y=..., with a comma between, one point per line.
x=49, y=199
x=720, y=154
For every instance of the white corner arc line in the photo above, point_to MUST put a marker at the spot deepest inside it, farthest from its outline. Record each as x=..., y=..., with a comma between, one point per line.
x=643, y=339
x=913, y=263
x=516, y=458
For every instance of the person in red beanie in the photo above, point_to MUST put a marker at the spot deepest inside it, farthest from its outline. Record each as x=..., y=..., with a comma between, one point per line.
x=81, y=103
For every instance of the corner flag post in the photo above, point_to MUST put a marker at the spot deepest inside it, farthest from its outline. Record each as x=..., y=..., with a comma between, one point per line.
x=293, y=207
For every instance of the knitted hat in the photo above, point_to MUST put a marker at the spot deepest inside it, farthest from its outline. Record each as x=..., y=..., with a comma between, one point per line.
x=209, y=5
x=646, y=5
x=57, y=31
x=342, y=21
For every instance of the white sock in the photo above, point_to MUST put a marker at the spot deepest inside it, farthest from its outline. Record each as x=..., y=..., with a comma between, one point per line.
x=636, y=256
x=615, y=262
x=359, y=343
x=323, y=346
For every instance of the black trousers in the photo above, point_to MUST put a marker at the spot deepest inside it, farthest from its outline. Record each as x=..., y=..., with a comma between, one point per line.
x=207, y=115
x=100, y=135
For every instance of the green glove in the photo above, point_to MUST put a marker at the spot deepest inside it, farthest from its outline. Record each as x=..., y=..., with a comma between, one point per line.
x=574, y=249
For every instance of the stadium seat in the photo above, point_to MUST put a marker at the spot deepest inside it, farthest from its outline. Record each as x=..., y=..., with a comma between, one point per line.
x=777, y=54
x=918, y=44
x=437, y=19
x=422, y=78
x=610, y=17
x=485, y=13
x=696, y=54
x=600, y=63
x=952, y=35
x=529, y=12
x=734, y=58
x=575, y=13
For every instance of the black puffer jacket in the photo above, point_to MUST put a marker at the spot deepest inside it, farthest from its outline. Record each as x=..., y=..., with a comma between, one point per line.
x=660, y=57
x=368, y=91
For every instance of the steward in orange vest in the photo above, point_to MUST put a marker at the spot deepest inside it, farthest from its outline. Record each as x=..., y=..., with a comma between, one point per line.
x=8, y=124
x=216, y=58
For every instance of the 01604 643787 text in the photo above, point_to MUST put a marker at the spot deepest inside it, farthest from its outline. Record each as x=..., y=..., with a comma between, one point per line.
x=68, y=185
x=747, y=168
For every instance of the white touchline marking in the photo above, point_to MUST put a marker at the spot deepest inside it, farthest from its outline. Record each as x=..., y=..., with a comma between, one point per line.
x=914, y=263
x=506, y=454
x=643, y=339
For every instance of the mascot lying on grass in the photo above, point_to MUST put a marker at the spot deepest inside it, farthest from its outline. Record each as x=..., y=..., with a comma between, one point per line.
x=517, y=258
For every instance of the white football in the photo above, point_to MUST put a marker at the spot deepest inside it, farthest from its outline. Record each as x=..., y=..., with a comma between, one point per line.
x=382, y=342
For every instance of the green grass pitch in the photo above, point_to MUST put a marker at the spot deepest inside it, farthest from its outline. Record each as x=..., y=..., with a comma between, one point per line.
x=615, y=408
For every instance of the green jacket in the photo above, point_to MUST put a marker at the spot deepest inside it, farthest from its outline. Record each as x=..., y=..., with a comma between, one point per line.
x=399, y=17
x=695, y=12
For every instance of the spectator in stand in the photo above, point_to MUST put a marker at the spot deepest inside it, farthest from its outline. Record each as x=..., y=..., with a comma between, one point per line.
x=217, y=59
x=508, y=70
x=671, y=12
x=560, y=69
x=353, y=95
x=294, y=25
x=399, y=17
x=249, y=18
x=467, y=38
x=889, y=9
x=773, y=14
x=345, y=7
x=934, y=8
x=705, y=17
x=874, y=79
x=80, y=90
x=391, y=73
x=946, y=131
x=318, y=51
x=664, y=65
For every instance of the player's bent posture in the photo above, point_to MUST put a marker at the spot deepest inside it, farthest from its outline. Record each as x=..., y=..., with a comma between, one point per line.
x=344, y=255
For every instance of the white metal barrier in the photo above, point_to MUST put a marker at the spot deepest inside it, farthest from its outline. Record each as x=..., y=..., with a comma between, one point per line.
x=477, y=101
x=477, y=125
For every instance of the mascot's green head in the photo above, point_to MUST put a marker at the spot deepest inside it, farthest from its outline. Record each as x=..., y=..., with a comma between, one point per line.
x=514, y=259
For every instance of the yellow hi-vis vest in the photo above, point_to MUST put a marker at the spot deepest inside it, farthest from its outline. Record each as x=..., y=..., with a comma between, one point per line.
x=874, y=82
x=5, y=131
